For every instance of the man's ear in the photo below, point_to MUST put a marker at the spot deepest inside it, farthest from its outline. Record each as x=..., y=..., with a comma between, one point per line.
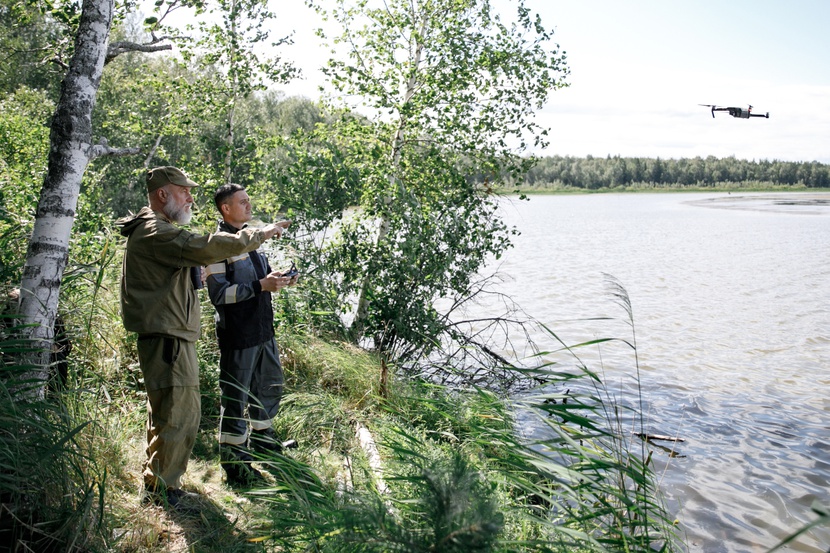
x=224, y=209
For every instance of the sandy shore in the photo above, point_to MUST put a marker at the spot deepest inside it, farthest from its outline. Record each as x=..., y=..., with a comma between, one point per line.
x=804, y=203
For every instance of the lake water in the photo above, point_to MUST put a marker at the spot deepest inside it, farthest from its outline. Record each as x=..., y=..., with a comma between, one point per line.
x=730, y=295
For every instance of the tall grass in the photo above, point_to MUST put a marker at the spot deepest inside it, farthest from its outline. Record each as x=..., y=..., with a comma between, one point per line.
x=51, y=491
x=457, y=476
x=454, y=472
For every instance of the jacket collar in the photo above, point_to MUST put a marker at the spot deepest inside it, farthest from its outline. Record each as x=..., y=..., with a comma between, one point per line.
x=227, y=227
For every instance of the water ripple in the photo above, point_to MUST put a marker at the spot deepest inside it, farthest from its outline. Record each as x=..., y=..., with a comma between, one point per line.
x=732, y=324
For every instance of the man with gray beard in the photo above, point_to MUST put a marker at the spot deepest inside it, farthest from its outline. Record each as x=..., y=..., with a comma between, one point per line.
x=160, y=303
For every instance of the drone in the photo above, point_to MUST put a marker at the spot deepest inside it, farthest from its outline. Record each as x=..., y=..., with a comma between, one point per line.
x=740, y=113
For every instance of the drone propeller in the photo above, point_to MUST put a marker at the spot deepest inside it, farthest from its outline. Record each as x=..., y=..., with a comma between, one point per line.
x=710, y=106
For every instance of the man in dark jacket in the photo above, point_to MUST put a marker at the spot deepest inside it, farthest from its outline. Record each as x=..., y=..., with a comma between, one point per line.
x=159, y=302
x=250, y=373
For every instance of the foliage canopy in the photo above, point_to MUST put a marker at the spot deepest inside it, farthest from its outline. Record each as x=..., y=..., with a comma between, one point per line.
x=449, y=90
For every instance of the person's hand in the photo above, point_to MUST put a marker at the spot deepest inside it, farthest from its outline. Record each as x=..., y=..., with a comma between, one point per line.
x=274, y=282
x=275, y=229
x=292, y=275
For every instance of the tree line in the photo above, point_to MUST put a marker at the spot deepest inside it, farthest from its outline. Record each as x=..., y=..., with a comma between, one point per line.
x=593, y=173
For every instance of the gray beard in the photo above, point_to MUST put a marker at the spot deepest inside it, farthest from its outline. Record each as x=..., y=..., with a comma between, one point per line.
x=177, y=214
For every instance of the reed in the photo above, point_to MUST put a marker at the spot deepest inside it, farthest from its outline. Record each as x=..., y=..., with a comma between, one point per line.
x=457, y=476
x=51, y=490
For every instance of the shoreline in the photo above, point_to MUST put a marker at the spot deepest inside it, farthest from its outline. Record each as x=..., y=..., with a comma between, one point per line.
x=659, y=190
x=803, y=201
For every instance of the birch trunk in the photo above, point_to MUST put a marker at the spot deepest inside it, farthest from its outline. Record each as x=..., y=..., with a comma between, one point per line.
x=69, y=154
x=416, y=51
x=232, y=75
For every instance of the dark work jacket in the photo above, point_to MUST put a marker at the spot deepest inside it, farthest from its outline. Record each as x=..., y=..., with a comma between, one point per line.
x=244, y=315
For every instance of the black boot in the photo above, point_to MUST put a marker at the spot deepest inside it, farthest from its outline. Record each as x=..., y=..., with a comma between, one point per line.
x=172, y=498
x=236, y=462
x=266, y=441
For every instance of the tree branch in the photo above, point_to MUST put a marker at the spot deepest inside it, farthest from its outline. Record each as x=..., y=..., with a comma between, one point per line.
x=117, y=48
x=152, y=151
x=103, y=149
x=59, y=62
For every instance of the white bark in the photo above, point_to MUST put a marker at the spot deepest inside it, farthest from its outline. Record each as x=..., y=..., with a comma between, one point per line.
x=70, y=151
x=232, y=74
x=416, y=53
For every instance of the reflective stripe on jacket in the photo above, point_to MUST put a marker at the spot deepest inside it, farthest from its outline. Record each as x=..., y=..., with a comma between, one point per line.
x=244, y=314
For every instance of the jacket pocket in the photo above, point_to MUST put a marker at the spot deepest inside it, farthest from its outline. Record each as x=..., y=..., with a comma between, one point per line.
x=170, y=350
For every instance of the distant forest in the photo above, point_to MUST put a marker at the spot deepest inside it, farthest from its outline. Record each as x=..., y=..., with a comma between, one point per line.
x=595, y=173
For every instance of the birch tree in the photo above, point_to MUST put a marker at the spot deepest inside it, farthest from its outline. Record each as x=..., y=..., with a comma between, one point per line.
x=452, y=89
x=71, y=150
x=231, y=43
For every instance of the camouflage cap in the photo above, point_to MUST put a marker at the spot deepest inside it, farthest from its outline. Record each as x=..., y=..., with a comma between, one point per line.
x=160, y=176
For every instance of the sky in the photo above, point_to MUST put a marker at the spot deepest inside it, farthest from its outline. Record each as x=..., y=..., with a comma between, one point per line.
x=640, y=68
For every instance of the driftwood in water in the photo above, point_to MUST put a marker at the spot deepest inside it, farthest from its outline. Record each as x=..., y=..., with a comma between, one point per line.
x=650, y=437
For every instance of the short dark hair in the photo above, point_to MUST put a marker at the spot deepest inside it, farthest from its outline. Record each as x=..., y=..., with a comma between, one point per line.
x=224, y=192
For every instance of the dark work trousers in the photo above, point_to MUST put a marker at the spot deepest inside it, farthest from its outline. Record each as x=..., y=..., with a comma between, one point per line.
x=250, y=379
x=171, y=376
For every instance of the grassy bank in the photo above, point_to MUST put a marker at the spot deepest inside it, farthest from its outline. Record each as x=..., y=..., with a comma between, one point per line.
x=412, y=467
x=424, y=468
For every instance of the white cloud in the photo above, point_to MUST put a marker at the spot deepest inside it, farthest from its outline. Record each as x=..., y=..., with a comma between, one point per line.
x=639, y=70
